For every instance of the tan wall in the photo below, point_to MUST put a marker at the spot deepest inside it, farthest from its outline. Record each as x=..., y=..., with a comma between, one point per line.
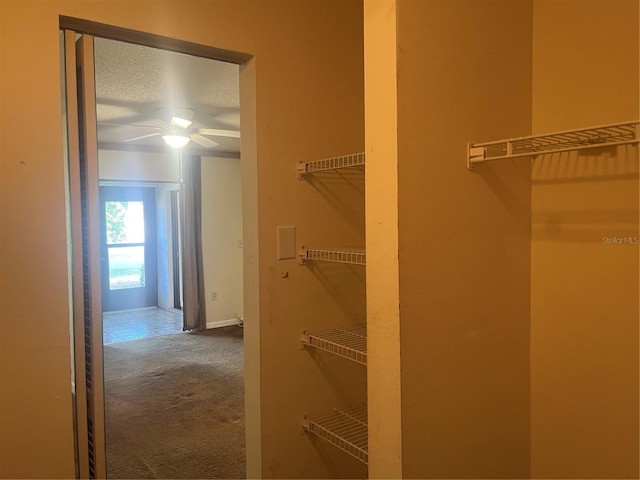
x=308, y=97
x=383, y=313
x=464, y=74
x=221, y=232
x=584, y=323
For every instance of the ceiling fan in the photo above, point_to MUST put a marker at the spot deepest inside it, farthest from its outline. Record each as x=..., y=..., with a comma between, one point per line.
x=177, y=132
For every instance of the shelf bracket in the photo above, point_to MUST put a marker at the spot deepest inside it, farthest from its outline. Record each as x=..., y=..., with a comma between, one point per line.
x=301, y=170
x=303, y=255
x=304, y=339
x=474, y=155
x=305, y=424
x=509, y=148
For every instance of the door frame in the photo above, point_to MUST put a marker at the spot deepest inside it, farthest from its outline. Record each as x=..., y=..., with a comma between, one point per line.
x=88, y=368
x=176, y=257
x=249, y=165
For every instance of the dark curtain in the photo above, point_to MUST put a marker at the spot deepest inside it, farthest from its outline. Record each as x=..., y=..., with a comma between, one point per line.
x=193, y=300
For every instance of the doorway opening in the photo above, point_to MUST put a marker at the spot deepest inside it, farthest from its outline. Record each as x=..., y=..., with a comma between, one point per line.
x=129, y=243
x=114, y=212
x=128, y=248
x=140, y=259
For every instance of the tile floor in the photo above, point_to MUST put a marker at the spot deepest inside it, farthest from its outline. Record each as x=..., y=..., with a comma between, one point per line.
x=134, y=324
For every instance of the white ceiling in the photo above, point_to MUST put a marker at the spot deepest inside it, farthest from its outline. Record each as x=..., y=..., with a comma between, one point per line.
x=135, y=83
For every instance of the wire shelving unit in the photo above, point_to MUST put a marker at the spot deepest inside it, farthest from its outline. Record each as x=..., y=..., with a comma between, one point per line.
x=348, y=342
x=345, y=428
x=627, y=133
x=354, y=256
x=333, y=163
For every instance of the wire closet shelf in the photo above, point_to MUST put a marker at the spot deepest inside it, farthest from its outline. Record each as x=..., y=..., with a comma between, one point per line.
x=627, y=133
x=333, y=163
x=352, y=256
x=348, y=342
x=345, y=428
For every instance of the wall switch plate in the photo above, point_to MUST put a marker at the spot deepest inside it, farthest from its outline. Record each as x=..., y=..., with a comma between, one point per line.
x=286, y=242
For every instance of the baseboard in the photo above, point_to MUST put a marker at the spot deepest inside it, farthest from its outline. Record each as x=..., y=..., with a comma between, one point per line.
x=222, y=323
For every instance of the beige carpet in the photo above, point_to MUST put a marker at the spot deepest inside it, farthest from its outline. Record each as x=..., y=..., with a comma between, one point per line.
x=175, y=406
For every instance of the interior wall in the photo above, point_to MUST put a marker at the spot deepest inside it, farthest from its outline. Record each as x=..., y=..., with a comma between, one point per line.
x=464, y=75
x=584, y=284
x=164, y=223
x=222, y=239
x=138, y=166
x=383, y=309
x=306, y=84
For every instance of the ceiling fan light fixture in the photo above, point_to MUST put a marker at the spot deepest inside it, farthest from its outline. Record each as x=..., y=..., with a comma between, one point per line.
x=176, y=141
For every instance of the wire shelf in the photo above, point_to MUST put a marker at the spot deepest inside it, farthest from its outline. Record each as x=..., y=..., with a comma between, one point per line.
x=593, y=137
x=335, y=255
x=334, y=163
x=345, y=428
x=349, y=342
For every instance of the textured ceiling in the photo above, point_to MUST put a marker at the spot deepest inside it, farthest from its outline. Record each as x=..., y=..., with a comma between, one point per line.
x=135, y=84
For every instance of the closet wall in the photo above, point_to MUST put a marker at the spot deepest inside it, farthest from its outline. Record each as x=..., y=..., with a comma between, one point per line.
x=305, y=87
x=545, y=246
x=464, y=74
x=474, y=403
x=584, y=284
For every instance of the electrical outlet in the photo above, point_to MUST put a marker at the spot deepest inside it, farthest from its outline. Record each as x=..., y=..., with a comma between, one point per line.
x=214, y=296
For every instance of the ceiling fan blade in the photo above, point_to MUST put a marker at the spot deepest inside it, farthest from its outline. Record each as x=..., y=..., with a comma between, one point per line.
x=204, y=141
x=214, y=132
x=142, y=136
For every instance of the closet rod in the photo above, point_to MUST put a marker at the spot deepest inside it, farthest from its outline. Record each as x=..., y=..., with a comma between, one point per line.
x=627, y=133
